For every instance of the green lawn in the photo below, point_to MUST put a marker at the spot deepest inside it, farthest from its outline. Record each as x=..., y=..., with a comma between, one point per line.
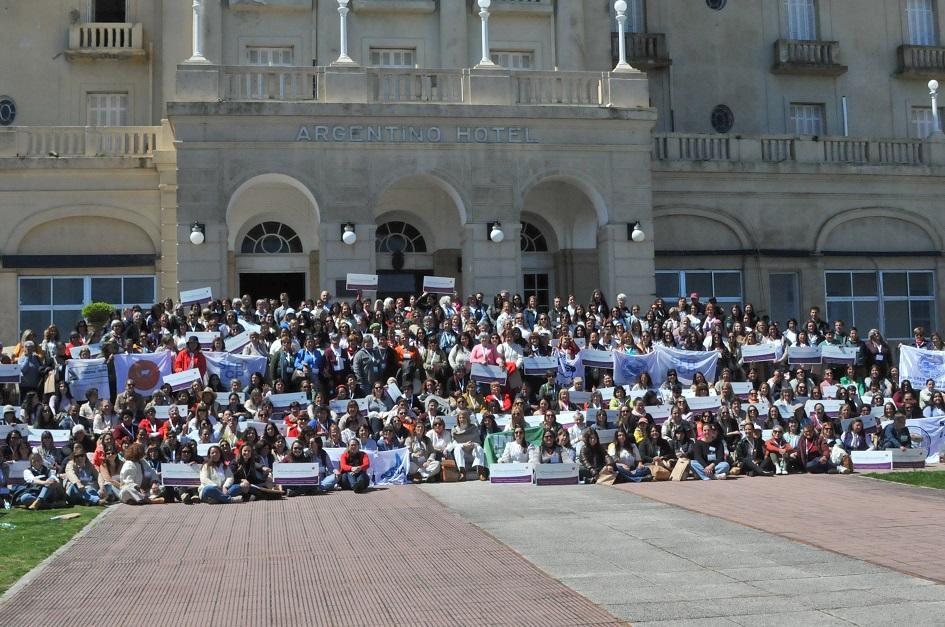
x=35, y=538
x=934, y=479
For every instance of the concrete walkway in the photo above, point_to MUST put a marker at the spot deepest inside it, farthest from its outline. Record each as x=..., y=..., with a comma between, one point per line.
x=652, y=563
x=390, y=557
x=890, y=524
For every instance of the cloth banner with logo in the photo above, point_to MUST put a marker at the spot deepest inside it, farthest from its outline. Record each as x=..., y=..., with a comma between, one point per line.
x=495, y=442
x=928, y=433
x=229, y=366
x=628, y=368
x=146, y=370
x=386, y=467
x=87, y=374
x=568, y=368
x=919, y=365
x=686, y=364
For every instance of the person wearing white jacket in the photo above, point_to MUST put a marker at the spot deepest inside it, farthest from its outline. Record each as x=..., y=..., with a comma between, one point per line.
x=216, y=479
x=518, y=450
x=136, y=478
x=465, y=447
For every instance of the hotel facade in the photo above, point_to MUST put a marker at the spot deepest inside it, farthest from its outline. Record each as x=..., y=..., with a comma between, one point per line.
x=783, y=153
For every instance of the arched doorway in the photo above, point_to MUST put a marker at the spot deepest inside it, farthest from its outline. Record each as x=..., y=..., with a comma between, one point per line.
x=538, y=276
x=273, y=238
x=402, y=259
x=277, y=243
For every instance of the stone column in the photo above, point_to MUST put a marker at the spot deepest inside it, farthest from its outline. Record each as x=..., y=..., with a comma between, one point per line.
x=338, y=259
x=569, y=35
x=454, y=44
x=489, y=267
x=626, y=266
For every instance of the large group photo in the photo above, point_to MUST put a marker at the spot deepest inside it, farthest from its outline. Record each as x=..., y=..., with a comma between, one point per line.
x=222, y=400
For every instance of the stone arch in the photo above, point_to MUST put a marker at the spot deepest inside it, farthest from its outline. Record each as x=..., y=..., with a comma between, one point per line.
x=545, y=227
x=729, y=229
x=572, y=209
x=895, y=237
x=588, y=189
x=141, y=227
x=437, y=179
x=273, y=197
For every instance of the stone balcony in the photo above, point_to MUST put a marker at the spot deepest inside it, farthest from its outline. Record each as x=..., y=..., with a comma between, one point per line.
x=82, y=141
x=492, y=86
x=819, y=58
x=922, y=62
x=645, y=51
x=105, y=40
x=793, y=149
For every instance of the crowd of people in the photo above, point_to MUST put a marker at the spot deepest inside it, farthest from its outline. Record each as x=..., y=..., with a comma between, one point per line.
x=388, y=374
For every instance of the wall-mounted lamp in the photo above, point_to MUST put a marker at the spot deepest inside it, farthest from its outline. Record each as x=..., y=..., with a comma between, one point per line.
x=635, y=232
x=197, y=233
x=348, y=235
x=495, y=232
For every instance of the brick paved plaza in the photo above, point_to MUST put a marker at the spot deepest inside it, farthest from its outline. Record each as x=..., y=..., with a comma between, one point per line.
x=510, y=555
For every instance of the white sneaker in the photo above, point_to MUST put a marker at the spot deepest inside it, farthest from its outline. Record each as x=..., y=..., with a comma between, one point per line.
x=721, y=476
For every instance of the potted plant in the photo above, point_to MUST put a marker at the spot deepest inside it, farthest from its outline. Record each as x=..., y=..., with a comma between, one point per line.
x=97, y=315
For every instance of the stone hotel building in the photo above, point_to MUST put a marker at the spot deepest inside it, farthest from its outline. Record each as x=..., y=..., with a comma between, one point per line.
x=779, y=152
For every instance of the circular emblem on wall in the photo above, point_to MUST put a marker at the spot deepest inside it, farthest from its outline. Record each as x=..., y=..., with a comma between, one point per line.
x=722, y=119
x=7, y=110
x=145, y=374
x=716, y=5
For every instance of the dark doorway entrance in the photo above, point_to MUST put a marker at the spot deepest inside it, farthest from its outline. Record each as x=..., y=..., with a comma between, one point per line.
x=109, y=11
x=396, y=283
x=271, y=284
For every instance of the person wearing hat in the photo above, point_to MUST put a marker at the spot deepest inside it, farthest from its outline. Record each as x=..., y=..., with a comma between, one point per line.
x=9, y=415
x=191, y=357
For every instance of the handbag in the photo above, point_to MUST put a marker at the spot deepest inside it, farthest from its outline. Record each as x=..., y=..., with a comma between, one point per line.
x=606, y=476
x=660, y=471
x=680, y=470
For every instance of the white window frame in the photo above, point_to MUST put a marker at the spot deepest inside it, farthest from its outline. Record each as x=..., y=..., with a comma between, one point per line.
x=514, y=59
x=685, y=291
x=921, y=23
x=801, y=19
x=270, y=52
x=808, y=118
x=86, y=292
x=392, y=57
x=114, y=105
x=922, y=122
x=881, y=299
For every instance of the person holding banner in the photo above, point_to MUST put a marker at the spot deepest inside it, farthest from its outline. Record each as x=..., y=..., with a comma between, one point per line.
x=191, y=357
x=354, y=466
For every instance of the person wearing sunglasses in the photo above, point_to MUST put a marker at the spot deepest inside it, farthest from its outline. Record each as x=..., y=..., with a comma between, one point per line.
x=518, y=450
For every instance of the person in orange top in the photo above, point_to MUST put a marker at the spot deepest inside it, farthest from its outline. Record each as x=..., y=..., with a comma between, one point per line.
x=190, y=357
x=354, y=466
x=295, y=420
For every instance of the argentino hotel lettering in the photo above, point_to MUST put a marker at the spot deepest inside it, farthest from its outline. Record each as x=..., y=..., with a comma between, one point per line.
x=416, y=134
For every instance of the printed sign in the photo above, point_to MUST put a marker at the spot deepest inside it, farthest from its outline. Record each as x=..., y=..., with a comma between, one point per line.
x=481, y=373
x=365, y=282
x=295, y=474
x=196, y=297
x=439, y=284
x=540, y=365
x=9, y=373
x=182, y=380
x=556, y=474
x=510, y=473
x=181, y=475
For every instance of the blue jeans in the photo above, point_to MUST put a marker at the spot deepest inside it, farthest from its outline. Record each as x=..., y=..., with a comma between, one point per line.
x=110, y=494
x=720, y=468
x=357, y=482
x=328, y=483
x=85, y=496
x=218, y=496
x=815, y=466
x=636, y=475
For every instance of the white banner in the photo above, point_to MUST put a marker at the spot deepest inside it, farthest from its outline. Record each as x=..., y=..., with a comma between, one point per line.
x=439, y=284
x=237, y=343
x=281, y=402
x=759, y=352
x=704, y=403
x=593, y=358
x=481, y=373
x=6, y=429
x=366, y=282
x=685, y=363
x=87, y=374
x=15, y=471
x=182, y=380
x=94, y=350
x=742, y=388
x=295, y=474
x=569, y=368
x=180, y=475
x=60, y=437
x=196, y=297
x=510, y=473
x=9, y=373
x=556, y=474
x=145, y=370
x=803, y=355
x=161, y=412
x=831, y=406
x=831, y=354
x=229, y=366
x=205, y=338
x=919, y=365
x=386, y=467
x=540, y=365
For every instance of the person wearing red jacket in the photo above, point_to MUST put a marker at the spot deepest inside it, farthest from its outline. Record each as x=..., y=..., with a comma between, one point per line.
x=814, y=452
x=190, y=357
x=354, y=466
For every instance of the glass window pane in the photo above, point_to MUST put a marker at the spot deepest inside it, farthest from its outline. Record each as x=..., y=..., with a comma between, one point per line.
x=841, y=311
x=68, y=291
x=920, y=283
x=35, y=320
x=65, y=319
x=838, y=284
x=895, y=284
x=667, y=284
x=784, y=301
x=728, y=284
x=700, y=282
x=34, y=291
x=139, y=290
x=921, y=315
x=896, y=313
x=106, y=290
x=866, y=314
x=864, y=284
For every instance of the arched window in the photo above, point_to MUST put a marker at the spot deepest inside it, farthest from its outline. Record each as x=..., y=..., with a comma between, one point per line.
x=399, y=237
x=533, y=240
x=271, y=238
